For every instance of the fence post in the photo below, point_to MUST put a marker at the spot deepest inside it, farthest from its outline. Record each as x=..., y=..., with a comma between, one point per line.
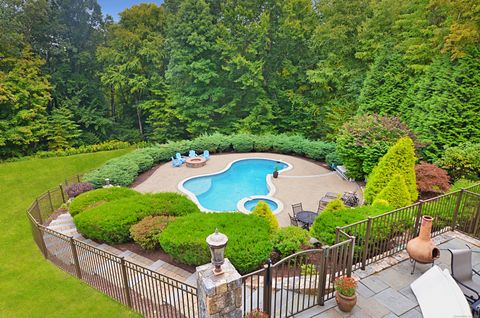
x=75, y=258
x=78, y=178
x=43, y=246
x=323, y=276
x=50, y=200
x=61, y=191
x=40, y=220
x=125, y=282
x=419, y=217
x=457, y=208
x=337, y=234
x=267, y=288
x=350, y=258
x=367, y=239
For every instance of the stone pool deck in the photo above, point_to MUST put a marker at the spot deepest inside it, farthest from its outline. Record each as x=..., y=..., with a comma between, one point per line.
x=307, y=182
x=384, y=288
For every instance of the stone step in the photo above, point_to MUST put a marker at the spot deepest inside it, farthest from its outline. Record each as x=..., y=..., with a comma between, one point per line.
x=70, y=232
x=61, y=223
x=64, y=217
x=156, y=265
x=110, y=249
x=60, y=228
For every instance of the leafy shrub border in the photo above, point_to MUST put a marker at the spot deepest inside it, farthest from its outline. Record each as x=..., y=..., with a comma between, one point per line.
x=123, y=170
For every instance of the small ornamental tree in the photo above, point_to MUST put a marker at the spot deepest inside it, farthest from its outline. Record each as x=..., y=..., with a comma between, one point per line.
x=431, y=178
x=395, y=193
x=400, y=159
x=263, y=210
x=335, y=205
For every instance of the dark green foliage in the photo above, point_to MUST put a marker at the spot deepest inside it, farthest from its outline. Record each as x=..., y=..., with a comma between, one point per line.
x=334, y=205
x=400, y=159
x=248, y=239
x=263, y=210
x=332, y=159
x=289, y=240
x=364, y=140
x=143, y=160
x=323, y=227
x=146, y=232
x=242, y=142
x=111, y=221
x=121, y=171
x=318, y=150
x=462, y=161
x=98, y=197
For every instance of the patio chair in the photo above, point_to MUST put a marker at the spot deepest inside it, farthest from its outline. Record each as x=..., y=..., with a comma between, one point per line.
x=192, y=154
x=176, y=163
x=297, y=208
x=179, y=157
x=462, y=272
x=293, y=220
x=206, y=154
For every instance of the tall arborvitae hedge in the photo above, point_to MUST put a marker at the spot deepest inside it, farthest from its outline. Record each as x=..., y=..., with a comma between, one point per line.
x=400, y=159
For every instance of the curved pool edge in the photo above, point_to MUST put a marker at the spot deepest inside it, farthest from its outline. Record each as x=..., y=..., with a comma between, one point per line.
x=270, y=185
x=241, y=203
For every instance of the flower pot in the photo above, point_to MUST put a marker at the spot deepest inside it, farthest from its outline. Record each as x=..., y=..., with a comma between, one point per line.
x=275, y=174
x=345, y=303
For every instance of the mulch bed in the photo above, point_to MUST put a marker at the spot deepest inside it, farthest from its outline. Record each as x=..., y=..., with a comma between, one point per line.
x=154, y=255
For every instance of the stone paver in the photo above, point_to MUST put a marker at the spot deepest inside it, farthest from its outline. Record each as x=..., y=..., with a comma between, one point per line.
x=364, y=290
x=396, y=302
x=414, y=313
x=375, y=283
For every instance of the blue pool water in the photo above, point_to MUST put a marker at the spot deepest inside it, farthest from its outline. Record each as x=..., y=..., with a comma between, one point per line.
x=244, y=178
x=251, y=204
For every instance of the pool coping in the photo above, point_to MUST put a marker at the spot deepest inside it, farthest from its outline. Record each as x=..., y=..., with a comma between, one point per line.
x=270, y=185
x=241, y=203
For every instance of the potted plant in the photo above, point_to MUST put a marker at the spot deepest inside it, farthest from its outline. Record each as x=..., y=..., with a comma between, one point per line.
x=257, y=313
x=345, y=293
x=275, y=172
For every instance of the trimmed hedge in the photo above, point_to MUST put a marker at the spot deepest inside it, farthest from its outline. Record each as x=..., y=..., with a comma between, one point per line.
x=123, y=170
x=248, y=239
x=323, y=227
x=289, y=240
x=111, y=221
x=145, y=233
x=263, y=210
x=98, y=197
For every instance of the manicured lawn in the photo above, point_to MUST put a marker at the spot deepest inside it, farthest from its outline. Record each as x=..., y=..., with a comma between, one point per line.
x=30, y=286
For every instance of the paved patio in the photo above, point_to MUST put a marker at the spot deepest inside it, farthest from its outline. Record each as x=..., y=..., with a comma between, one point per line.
x=307, y=182
x=387, y=293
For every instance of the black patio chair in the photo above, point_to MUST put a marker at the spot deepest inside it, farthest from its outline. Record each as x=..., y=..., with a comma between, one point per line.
x=462, y=272
x=293, y=220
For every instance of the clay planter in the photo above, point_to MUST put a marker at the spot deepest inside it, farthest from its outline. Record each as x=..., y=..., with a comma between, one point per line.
x=345, y=303
x=275, y=174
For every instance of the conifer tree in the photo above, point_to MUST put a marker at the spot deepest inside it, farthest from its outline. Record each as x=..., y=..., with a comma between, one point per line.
x=62, y=130
x=400, y=159
x=395, y=193
x=263, y=210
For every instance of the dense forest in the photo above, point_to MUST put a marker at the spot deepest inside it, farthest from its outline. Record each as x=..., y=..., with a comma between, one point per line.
x=70, y=76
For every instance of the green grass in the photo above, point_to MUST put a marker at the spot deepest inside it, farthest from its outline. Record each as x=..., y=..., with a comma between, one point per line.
x=30, y=286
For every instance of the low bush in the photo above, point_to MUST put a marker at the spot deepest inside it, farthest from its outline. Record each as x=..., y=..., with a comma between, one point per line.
x=289, y=240
x=213, y=143
x=248, y=239
x=121, y=171
x=318, y=150
x=335, y=205
x=264, y=143
x=104, y=146
x=333, y=160
x=395, y=193
x=462, y=184
x=242, y=142
x=146, y=232
x=431, y=179
x=98, y=197
x=263, y=210
x=76, y=189
x=462, y=161
x=111, y=221
x=323, y=227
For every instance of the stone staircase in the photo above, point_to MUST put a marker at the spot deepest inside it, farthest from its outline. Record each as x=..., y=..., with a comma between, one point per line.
x=59, y=248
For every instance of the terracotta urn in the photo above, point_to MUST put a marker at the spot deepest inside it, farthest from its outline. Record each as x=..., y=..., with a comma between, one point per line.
x=422, y=248
x=345, y=303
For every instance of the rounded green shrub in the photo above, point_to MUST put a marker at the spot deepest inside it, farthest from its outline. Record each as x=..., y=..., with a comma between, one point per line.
x=395, y=193
x=143, y=160
x=325, y=223
x=248, y=239
x=145, y=233
x=264, y=143
x=121, y=171
x=263, y=210
x=318, y=150
x=213, y=143
x=111, y=221
x=98, y=197
x=289, y=240
x=242, y=142
x=334, y=205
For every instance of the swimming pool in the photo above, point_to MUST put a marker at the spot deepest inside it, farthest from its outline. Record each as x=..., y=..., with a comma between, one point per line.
x=242, y=178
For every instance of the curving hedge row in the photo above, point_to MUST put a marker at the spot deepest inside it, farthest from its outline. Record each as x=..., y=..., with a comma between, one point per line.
x=248, y=245
x=109, y=219
x=123, y=170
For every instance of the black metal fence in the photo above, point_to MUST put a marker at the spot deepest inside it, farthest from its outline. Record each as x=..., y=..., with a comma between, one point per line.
x=145, y=291
x=297, y=282
x=386, y=234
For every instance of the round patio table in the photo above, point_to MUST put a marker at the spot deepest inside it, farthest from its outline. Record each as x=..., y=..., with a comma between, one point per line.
x=306, y=217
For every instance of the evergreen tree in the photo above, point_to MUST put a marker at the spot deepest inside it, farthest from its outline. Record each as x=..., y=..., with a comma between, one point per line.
x=400, y=159
x=395, y=193
x=263, y=210
x=62, y=131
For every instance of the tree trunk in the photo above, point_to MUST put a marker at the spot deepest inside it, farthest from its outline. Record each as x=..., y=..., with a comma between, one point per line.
x=139, y=117
x=112, y=101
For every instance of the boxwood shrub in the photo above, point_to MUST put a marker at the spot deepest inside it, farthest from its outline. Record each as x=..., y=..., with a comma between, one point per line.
x=289, y=240
x=248, y=239
x=111, y=221
x=98, y=197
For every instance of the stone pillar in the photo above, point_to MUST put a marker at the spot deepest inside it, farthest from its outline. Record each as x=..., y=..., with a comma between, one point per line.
x=219, y=296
